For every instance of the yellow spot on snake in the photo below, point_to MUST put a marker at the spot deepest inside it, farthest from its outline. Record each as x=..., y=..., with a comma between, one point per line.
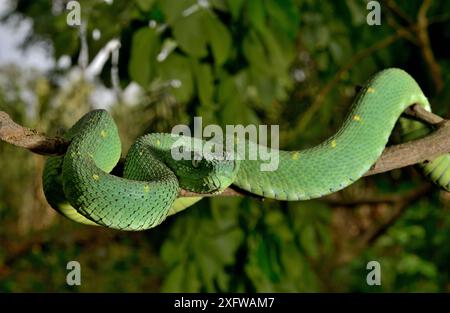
x=295, y=155
x=370, y=90
x=356, y=117
x=103, y=134
x=95, y=177
x=158, y=142
x=333, y=144
x=146, y=188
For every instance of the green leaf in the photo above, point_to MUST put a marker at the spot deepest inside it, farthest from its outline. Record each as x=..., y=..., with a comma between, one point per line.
x=200, y=29
x=173, y=9
x=323, y=61
x=219, y=5
x=284, y=16
x=144, y=48
x=170, y=252
x=191, y=279
x=256, y=14
x=340, y=50
x=176, y=68
x=173, y=282
x=308, y=240
x=190, y=34
x=357, y=11
x=209, y=269
x=255, y=53
x=204, y=83
x=219, y=38
x=323, y=36
x=145, y=5
x=235, y=7
x=233, y=101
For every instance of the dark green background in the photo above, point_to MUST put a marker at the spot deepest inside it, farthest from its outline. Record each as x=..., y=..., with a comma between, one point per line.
x=295, y=63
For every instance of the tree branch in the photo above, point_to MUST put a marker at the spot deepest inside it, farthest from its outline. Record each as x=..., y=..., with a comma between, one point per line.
x=30, y=139
x=393, y=157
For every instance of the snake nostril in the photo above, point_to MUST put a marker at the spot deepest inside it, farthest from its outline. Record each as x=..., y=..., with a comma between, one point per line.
x=216, y=183
x=209, y=183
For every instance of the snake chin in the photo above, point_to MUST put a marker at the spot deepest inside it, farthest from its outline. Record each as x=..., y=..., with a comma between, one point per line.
x=212, y=184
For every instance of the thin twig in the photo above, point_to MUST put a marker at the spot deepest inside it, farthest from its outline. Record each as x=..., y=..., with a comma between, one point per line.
x=326, y=89
x=425, y=45
x=394, y=8
x=371, y=235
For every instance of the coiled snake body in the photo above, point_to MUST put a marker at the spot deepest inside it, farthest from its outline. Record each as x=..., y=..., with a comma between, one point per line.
x=78, y=184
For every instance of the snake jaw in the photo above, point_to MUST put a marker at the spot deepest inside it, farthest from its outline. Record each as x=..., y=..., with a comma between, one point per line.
x=211, y=185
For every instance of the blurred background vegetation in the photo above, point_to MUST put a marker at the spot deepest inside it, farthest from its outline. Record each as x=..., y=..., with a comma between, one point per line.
x=295, y=63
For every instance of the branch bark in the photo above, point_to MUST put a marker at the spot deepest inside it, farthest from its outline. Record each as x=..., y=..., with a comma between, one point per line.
x=30, y=139
x=393, y=157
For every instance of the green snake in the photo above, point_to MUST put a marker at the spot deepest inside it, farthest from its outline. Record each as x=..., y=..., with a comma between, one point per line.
x=79, y=186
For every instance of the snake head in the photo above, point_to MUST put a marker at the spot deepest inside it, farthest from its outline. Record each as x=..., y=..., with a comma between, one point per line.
x=206, y=171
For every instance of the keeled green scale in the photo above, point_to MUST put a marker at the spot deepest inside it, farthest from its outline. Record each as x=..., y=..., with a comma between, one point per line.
x=78, y=185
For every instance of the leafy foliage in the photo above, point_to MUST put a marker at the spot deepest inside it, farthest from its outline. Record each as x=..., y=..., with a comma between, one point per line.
x=291, y=62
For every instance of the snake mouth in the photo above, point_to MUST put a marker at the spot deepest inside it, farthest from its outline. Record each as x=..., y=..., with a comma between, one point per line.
x=213, y=182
